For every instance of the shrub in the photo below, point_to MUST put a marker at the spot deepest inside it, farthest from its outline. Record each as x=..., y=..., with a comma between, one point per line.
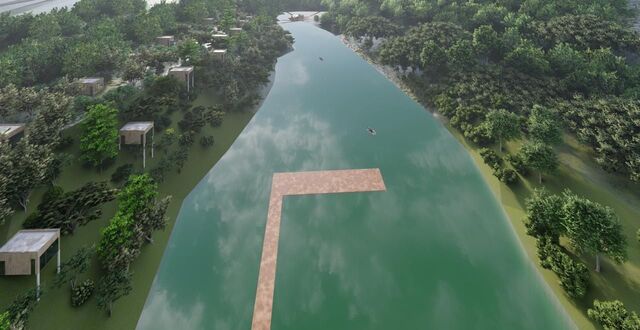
x=518, y=164
x=574, y=275
x=508, y=176
x=186, y=139
x=491, y=158
x=122, y=173
x=206, y=141
x=82, y=292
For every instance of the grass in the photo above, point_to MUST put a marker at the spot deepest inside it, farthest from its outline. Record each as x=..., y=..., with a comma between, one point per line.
x=578, y=172
x=54, y=310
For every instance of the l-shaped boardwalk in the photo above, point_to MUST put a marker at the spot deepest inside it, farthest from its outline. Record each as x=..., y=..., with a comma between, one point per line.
x=299, y=183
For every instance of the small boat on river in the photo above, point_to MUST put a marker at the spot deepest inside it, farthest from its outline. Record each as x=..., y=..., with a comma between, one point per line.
x=371, y=131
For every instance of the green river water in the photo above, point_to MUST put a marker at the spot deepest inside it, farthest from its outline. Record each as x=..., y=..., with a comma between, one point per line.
x=434, y=251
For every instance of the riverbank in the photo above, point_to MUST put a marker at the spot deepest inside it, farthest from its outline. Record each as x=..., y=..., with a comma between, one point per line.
x=54, y=310
x=578, y=172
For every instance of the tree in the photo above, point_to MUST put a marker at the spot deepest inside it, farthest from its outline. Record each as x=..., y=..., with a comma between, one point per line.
x=528, y=58
x=190, y=51
x=5, y=324
x=543, y=126
x=573, y=275
x=25, y=168
x=114, y=285
x=21, y=308
x=69, y=210
x=487, y=42
x=540, y=157
x=99, y=141
x=502, y=125
x=152, y=218
x=122, y=239
x=544, y=215
x=593, y=228
x=612, y=315
x=70, y=269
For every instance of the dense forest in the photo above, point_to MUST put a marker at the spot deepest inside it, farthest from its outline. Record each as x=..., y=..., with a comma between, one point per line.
x=531, y=71
x=42, y=56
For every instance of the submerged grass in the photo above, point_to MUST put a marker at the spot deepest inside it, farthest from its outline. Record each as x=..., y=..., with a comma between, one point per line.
x=54, y=310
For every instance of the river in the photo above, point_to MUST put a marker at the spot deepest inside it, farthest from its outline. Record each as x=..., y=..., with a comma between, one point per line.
x=433, y=251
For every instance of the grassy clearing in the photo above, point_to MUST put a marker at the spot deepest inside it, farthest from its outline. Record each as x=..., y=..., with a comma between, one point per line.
x=54, y=310
x=583, y=176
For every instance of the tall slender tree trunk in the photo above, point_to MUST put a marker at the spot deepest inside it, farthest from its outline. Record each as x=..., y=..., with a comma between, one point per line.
x=540, y=177
x=597, y=263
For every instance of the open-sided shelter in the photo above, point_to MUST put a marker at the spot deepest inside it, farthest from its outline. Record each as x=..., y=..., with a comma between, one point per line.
x=91, y=86
x=28, y=251
x=184, y=74
x=11, y=132
x=135, y=132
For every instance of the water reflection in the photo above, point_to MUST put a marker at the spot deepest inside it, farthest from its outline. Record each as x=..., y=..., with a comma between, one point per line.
x=433, y=251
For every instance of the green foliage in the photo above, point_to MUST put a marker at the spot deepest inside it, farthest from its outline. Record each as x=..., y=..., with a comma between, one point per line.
x=99, y=141
x=137, y=217
x=542, y=125
x=81, y=293
x=544, y=216
x=4, y=321
x=21, y=308
x=371, y=27
x=69, y=210
x=573, y=275
x=112, y=286
x=502, y=125
x=539, y=156
x=101, y=50
x=407, y=50
x=528, y=58
x=611, y=127
x=593, y=228
x=206, y=141
x=491, y=158
x=587, y=32
x=612, y=315
x=72, y=268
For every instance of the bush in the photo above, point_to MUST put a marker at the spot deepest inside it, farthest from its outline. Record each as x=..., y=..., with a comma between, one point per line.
x=206, y=141
x=186, y=139
x=81, y=293
x=574, y=275
x=122, y=173
x=508, y=176
x=517, y=163
x=215, y=117
x=491, y=158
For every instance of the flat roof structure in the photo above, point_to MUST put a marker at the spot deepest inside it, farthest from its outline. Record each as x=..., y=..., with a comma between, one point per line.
x=185, y=74
x=91, y=86
x=220, y=53
x=220, y=35
x=166, y=40
x=299, y=183
x=37, y=245
x=8, y=131
x=135, y=132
